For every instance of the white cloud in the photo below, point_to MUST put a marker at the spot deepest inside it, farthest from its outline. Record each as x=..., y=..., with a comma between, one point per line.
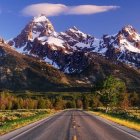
x=89, y=9
x=60, y=9
x=44, y=8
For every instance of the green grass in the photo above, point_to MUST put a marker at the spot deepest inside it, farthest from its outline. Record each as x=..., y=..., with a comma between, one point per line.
x=129, y=121
x=12, y=120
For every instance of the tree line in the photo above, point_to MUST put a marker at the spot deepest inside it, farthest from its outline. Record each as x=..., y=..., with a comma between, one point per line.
x=10, y=101
x=110, y=94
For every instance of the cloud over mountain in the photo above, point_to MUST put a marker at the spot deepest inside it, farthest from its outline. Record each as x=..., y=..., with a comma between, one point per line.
x=60, y=9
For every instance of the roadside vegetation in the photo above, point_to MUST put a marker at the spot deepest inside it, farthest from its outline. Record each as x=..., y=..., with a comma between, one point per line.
x=112, y=102
x=131, y=120
x=108, y=98
x=14, y=119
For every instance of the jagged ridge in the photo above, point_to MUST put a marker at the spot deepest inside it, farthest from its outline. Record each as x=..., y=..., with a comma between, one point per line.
x=68, y=50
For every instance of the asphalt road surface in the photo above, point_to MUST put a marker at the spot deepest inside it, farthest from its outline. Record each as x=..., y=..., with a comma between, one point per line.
x=74, y=125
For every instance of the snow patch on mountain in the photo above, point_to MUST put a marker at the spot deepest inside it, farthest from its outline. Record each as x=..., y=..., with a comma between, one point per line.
x=77, y=32
x=43, y=38
x=40, y=18
x=51, y=62
x=55, y=41
x=22, y=49
x=125, y=45
x=82, y=45
x=40, y=38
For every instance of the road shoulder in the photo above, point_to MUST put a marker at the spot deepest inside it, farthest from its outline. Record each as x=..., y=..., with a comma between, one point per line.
x=26, y=128
x=124, y=129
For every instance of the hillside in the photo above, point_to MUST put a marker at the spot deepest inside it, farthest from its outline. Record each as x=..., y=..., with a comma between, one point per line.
x=19, y=72
x=40, y=58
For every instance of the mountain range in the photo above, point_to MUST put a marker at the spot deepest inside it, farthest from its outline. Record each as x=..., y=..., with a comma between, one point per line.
x=44, y=58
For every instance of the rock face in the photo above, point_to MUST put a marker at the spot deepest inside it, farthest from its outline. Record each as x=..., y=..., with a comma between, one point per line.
x=27, y=72
x=1, y=40
x=38, y=27
x=22, y=72
x=124, y=46
x=68, y=50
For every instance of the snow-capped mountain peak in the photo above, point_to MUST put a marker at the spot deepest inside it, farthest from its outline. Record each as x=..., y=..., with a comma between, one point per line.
x=129, y=29
x=40, y=18
x=38, y=27
x=129, y=39
x=41, y=26
x=75, y=32
x=68, y=50
x=130, y=33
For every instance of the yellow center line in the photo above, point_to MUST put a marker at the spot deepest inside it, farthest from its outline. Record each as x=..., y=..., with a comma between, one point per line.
x=74, y=126
x=74, y=138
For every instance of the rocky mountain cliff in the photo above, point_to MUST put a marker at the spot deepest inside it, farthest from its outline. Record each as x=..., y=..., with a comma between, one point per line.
x=68, y=50
x=19, y=72
x=40, y=58
x=28, y=72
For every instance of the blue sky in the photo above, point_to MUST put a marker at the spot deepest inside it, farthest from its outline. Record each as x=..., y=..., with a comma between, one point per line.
x=13, y=19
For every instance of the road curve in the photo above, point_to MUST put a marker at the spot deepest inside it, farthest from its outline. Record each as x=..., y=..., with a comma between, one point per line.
x=73, y=125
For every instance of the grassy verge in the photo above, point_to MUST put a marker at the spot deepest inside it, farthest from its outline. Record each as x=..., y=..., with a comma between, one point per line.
x=11, y=120
x=128, y=122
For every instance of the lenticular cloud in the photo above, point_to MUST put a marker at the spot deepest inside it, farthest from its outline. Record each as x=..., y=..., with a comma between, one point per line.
x=44, y=8
x=89, y=9
x=60, y=9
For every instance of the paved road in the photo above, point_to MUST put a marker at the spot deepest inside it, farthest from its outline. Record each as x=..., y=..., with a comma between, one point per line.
x=74, y=125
